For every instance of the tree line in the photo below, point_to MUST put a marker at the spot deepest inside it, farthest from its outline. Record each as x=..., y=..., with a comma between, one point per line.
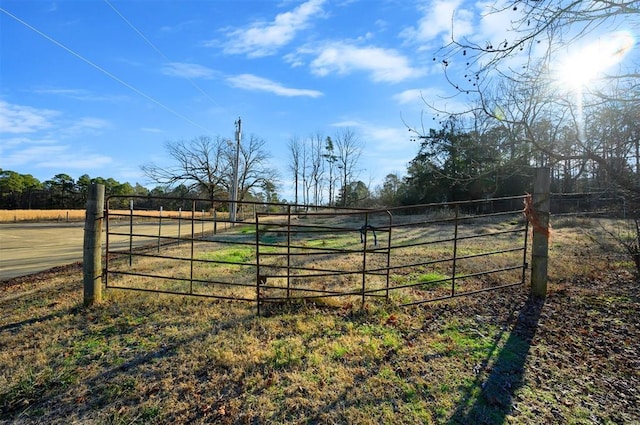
x=23, y=191
x=459, y=158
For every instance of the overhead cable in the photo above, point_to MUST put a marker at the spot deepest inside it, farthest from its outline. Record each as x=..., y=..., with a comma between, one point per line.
x=104, y=71
x=165, y=57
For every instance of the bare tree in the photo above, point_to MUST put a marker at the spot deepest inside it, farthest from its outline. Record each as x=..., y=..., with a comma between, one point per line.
x=207, y=164
x=253, y=169
x=306, y=179
x=514, y=82
x=198, y=164
x=316, y=166
x=295, y=152
x=538, y=29
x=348, y=151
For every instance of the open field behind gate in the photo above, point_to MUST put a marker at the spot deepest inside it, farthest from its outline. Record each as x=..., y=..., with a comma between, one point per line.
x=334, y=256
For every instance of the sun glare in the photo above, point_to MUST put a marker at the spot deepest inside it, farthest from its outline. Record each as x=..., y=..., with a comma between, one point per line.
x=582, y=66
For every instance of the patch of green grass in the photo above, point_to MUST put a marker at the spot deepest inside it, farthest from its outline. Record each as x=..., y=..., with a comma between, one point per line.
x=229, y=255
x=433, y=279
x=329, y=242
x=338, y=351
x=288, y=352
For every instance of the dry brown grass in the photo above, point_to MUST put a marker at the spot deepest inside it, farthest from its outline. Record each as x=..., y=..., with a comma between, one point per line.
x=14, y=216
x=7, y=216
x=491, y=358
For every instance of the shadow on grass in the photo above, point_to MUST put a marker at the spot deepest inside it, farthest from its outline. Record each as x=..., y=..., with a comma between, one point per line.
x=46, y=397
x=490, y=402
x=17, y=326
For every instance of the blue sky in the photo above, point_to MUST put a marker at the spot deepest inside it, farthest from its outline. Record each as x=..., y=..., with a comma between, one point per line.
x=98, y=86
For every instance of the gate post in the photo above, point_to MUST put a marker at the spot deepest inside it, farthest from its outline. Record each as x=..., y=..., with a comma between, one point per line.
x=92, y=253
x=540, y=243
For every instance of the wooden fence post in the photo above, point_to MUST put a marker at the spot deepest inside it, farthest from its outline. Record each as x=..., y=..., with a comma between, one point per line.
x=92, y=255
x=540, y=243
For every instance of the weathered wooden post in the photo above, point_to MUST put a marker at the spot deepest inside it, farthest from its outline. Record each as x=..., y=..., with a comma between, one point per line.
x=540, y=222
x=92, y=255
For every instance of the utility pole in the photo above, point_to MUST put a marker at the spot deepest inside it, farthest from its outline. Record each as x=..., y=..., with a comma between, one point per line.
x=234, y=191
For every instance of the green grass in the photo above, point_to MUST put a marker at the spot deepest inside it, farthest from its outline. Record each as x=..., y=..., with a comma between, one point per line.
x=431, y=279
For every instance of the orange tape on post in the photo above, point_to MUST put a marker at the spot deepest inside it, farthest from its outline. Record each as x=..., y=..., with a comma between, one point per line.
x=533, y=217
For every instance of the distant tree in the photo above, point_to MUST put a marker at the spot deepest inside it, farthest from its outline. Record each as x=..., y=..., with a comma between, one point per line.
x=254, y=170
x=201, y=164
x=348, y=151
x=140, y=190
x=424, y=183
x=389, y=193
x=357, y=194
x=12, y=184
x=331, y=159
x=206, y=165
x=30, y=186
x=295, y=164
x=316, y=148
x=62, y=190
x=269, y=192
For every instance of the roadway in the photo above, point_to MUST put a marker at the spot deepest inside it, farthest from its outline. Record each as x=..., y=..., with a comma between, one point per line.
x=27, y=248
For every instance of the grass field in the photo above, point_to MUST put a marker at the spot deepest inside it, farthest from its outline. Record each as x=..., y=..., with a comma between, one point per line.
x=494, y=358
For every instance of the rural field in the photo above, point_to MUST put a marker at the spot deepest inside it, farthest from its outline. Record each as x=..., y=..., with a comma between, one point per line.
x=490, y=358
x=15, y=216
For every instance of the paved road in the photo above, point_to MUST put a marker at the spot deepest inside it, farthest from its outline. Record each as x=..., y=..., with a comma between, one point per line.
x=27, y=248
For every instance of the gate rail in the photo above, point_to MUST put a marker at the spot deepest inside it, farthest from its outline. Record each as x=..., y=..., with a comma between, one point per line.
x=278, y=252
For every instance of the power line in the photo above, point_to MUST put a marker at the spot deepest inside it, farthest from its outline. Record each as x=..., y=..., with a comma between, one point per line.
x=104, y=71
x=165, y=57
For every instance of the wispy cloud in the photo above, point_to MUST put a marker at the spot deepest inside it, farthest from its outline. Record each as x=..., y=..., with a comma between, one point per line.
x=85, y=125
x=438, y=19
x=383, y=65
x=265, y=38
x=45, y=153
x=79, y=94
x=253, y=82
x=389, y=148
x=24, y=119
x=37, y=138
x=187, y=70
x=408, y=96
x=179, y=27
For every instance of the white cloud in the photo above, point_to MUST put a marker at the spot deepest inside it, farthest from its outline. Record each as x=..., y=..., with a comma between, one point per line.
x=85, y=125
x=253, y=82
x=45, y=153
x=75, y=160
x=18, y=119
x=38, y=138
x=265, y=38
x=408, y=96
x=384, y=65
x=438, y=19
x=386, y=149
x=187, y=70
